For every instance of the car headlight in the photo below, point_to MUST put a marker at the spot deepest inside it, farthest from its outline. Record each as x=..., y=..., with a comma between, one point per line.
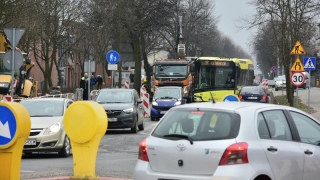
x=129, y=110
x=177, y=103
x=154, y=103
x=53, y=129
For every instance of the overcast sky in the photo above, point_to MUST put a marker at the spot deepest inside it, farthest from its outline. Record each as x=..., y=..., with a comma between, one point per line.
x=230, y=12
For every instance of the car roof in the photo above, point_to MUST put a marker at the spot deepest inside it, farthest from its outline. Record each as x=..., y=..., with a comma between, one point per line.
x=46, y=99
x=170, y=87
x=116, y=89
x=229, y=106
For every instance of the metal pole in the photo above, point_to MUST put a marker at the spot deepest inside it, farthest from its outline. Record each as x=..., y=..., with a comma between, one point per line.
x=112, y=73
x=297, y=96
x=12, y=62
x=89, y=81
x=309, y=92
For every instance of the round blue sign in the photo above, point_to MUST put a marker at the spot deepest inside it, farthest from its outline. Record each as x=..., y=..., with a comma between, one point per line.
x=8, y=126
x=113, y=57
x=233, y=98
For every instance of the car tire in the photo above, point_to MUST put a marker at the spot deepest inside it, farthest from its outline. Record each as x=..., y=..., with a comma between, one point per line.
x=141, y=126
x=135, y=128
x=66, y=150
x=276, y=89
x=153, y=119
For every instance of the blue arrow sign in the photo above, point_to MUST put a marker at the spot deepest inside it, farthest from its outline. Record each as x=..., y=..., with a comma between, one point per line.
x=113, y=57
x=309, y=63
x=233, y=98
x=8, y=126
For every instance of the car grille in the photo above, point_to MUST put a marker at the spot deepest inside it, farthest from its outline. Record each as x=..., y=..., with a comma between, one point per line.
x=113, y=113
x=162, y=108
x=35, y=132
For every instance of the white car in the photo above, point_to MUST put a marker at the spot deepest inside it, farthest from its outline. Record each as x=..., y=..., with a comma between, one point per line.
x=231, y=141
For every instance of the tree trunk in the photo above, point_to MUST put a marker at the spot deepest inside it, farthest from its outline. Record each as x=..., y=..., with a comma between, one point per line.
x=145, y=60
x=137, y=59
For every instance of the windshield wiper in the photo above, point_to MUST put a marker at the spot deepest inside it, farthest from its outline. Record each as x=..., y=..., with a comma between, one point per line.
x=180, y=136
x=41, y=116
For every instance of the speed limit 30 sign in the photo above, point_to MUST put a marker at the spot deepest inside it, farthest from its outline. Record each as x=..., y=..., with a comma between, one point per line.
x=297, y=79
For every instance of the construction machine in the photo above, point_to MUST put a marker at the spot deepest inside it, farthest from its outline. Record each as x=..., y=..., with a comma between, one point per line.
x=24, y=85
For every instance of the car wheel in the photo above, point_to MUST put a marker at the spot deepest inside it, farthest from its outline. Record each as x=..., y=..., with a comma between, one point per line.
x=153, y=119
x=66, y=150
x=141, y=126
x=276, y=89
x=135, y=127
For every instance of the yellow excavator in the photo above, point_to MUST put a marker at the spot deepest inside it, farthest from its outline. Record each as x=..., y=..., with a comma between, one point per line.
x=24, y=86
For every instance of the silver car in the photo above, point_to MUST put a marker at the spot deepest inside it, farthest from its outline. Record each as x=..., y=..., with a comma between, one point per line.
x=231, y=140
x=47, y=131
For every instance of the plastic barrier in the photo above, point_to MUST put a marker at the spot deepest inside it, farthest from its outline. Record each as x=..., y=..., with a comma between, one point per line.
x=126, y=84
x=144, y=96
x=265, y=83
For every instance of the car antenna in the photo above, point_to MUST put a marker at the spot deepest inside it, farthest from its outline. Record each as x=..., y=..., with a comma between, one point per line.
x=212, y=97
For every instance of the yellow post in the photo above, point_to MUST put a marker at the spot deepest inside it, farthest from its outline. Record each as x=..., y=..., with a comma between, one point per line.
x=15, y=128
x=85, y=123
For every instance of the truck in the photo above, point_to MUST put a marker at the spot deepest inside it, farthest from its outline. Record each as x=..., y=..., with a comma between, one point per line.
x=24, y=85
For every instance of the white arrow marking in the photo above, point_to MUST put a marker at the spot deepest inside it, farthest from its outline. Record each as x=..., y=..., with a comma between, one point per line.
x=5, y=130
x=226, y=100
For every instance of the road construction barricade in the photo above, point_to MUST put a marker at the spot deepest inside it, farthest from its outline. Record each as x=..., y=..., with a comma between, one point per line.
x=144, y=96
x=78, y=95
x=94, y=94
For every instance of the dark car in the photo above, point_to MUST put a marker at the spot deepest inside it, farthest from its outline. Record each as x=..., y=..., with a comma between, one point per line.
x=254, y=94
x=123, y=107
x=164, y=99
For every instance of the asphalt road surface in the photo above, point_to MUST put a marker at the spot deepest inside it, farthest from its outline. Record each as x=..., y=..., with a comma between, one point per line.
x=117, y=156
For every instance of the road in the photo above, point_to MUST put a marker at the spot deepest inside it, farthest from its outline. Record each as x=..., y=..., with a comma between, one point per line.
x=117, y=156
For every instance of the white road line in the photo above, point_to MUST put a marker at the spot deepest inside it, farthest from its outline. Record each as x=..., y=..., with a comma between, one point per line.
x=26, y=171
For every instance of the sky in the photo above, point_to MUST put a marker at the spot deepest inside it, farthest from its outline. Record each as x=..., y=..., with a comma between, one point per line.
x=230, y=12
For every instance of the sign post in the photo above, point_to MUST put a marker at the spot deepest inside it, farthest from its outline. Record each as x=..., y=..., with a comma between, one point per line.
x=297, y=66
x=14, y=35
x=113, y=58
x=309, y=65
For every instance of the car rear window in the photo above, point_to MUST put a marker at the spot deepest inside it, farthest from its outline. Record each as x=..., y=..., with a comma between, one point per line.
x=198, y=125
x=252, y=90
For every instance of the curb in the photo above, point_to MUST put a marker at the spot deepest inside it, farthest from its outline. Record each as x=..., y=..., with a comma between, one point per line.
x=70, y=178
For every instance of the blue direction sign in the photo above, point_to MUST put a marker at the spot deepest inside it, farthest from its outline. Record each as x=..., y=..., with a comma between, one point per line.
x=309, y=63
x=8, y=126
x=231, y=98
x=113, y=57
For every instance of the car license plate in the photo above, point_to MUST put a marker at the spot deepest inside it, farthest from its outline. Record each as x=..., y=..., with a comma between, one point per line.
x=252, y=98
x=112, y=119
x=30, y=142
x=163, y=112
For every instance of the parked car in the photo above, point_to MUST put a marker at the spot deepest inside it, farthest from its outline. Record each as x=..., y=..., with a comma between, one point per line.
x=164, y=99
x=280, y=83
x=231, y=140
x=254, y=94
x=47, y=131
x=123, y=107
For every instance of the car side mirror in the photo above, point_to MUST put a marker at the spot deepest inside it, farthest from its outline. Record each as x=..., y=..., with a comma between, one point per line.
x=139, y=101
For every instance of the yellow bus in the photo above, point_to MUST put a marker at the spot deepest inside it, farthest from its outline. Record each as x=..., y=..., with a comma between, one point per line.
x=216, y=77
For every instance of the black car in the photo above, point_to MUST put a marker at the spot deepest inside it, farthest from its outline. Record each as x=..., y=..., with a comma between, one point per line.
x=123, y=107
x=254, y=94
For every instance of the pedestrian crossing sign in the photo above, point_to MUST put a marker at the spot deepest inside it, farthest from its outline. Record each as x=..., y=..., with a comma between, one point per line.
x=297, y=66
x=309, y=63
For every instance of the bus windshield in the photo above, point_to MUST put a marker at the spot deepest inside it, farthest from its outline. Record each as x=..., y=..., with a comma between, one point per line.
x=215, y=77
x=171, y=70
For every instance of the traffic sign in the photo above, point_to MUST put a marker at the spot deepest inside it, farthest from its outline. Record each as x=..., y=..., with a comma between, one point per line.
x=273, y=69
x=297, y=79
x=231, y=97
x=7, y=59
x=113, y=57
x=14, y=35
x=298, y=49
x=297, y=66
x=8, y=126
x=309, y=63
x=113, y=67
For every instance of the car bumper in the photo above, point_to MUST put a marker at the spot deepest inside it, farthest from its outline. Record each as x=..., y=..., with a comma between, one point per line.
x=122, y=121
x=46, y=143
x=143, y=171
x=158, y=113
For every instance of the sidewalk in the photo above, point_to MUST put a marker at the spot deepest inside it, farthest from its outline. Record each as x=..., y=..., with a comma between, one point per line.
x=68, y=178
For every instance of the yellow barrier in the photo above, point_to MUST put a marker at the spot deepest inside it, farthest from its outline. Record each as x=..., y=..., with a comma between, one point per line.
x=15, y=128
x=85, y=123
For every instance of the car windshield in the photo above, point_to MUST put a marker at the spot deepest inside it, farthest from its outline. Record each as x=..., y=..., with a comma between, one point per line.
x=44, y=108
x=252, y=90
x=198, y=125
x=167, y=93
x=115, y=97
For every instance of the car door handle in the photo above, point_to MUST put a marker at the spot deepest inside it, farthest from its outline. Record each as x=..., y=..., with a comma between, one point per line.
x=273, y=149
x=308, y=152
